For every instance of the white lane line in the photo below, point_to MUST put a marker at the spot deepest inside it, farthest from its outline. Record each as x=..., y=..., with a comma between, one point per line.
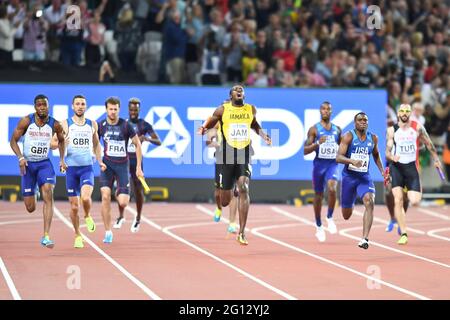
x=432, y=233
x=307, y=222
x=345, y=234
x=226, y=263
x=167, y=231
x=409, y=229
x=9, y=281
x=434, y=214
x=257, y=232
x=127, y=274
x=19, y=221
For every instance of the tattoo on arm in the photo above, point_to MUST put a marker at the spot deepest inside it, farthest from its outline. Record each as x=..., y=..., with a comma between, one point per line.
x=426, y=140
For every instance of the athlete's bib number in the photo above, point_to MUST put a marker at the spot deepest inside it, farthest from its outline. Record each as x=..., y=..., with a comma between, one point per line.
x=116, y=148
x=365, y=162
x=238, y=132
x=328, y=149
x=407, y=152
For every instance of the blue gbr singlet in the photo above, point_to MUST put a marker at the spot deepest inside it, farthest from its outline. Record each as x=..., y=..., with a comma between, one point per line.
x=36, y=144
x=79, y=149
x=359, y=150
x=328, y=150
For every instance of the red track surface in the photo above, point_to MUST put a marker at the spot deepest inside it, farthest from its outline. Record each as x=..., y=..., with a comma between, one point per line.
x=180, y=253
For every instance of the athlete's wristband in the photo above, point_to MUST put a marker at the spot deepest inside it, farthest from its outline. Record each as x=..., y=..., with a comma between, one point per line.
x=21, y=158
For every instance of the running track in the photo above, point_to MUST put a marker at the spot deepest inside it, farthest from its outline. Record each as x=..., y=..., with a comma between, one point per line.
x=180, y=253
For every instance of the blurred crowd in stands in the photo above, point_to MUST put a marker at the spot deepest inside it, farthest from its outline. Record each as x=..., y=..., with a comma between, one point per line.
x=261, y=43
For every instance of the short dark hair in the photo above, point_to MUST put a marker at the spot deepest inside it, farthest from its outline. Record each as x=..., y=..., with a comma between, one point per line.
x=112, y=100
x=40, y=96
x=236, y=85
x=359, y=113
x=325, y=102
x=80, y=96
x=134, y=101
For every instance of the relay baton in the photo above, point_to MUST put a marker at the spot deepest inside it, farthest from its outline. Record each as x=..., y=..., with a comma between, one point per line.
x=145, y=185
x=441, y=174
x=386, y=173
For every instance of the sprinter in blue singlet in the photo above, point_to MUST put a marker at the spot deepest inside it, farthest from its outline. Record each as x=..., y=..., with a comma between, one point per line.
x=81, y=141
x=35, y=167
x=324, y=139
x=354, y=151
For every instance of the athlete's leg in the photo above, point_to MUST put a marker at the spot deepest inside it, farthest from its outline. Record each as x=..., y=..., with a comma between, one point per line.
x=318, y=181
x=47, y=197
x=317, y=204
x=244, y=201
x=30, y=203
x=348, y=196
x=28, y=184
x=86, y=198
x=228, y=179
x=106, y=207
x=74, y=207
x=347, y=213
x=139, y=196
x=398, y=208
x=217, y=198
x=390, y=204
x=369, y=200
x=233, y=209
x=414, y=197
x=331, y=187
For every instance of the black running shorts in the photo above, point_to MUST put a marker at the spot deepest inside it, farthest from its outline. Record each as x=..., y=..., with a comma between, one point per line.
x=405, y=175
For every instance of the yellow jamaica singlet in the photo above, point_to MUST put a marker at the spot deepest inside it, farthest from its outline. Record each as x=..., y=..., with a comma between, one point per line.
x=236, y=125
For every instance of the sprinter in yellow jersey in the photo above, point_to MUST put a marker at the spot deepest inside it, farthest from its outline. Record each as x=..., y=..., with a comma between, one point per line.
x=236, y=119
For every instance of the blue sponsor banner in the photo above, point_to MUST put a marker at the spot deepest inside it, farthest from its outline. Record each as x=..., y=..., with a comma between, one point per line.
x=177, y=112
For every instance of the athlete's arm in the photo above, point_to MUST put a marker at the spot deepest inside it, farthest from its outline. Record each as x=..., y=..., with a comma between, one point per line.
x=339, y=135
x=96, y=146
x=211, y=138
x=137, y=144
x=376, y=154
x=389, y=145
x=343, y=147
x=154, y=138
x=255, y=126
x=310, y=146
x=19, y=131
x=211, y=121
x=54, y=142
x=425, y=138
x=61, y=145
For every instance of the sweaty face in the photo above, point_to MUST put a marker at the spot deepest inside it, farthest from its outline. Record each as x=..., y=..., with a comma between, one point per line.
x=133, y=111
x=112, y=111
x=325, y=111
x=403, y=114
x=41, y=107
x=237, y=95
x=79, y=106
x=361, y=122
